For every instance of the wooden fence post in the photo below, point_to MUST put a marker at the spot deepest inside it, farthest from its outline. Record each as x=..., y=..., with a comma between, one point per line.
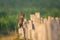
x=49, y=28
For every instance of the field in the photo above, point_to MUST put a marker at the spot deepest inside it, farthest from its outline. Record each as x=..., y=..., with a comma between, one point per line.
x=12, y=36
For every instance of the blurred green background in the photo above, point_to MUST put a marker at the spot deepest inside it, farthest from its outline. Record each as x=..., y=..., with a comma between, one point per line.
x=10, y=10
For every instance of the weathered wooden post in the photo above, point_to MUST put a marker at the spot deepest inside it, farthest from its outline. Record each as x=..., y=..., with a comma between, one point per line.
x=32, y=17
x=49, y=28
x=45, y=22
x=22, y=25
x=57, y=28
x=29, y=30
x=25, y=28
x=37, y=26
x=54, y=28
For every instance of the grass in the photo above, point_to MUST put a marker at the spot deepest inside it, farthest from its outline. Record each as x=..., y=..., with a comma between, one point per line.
x=11, y=37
